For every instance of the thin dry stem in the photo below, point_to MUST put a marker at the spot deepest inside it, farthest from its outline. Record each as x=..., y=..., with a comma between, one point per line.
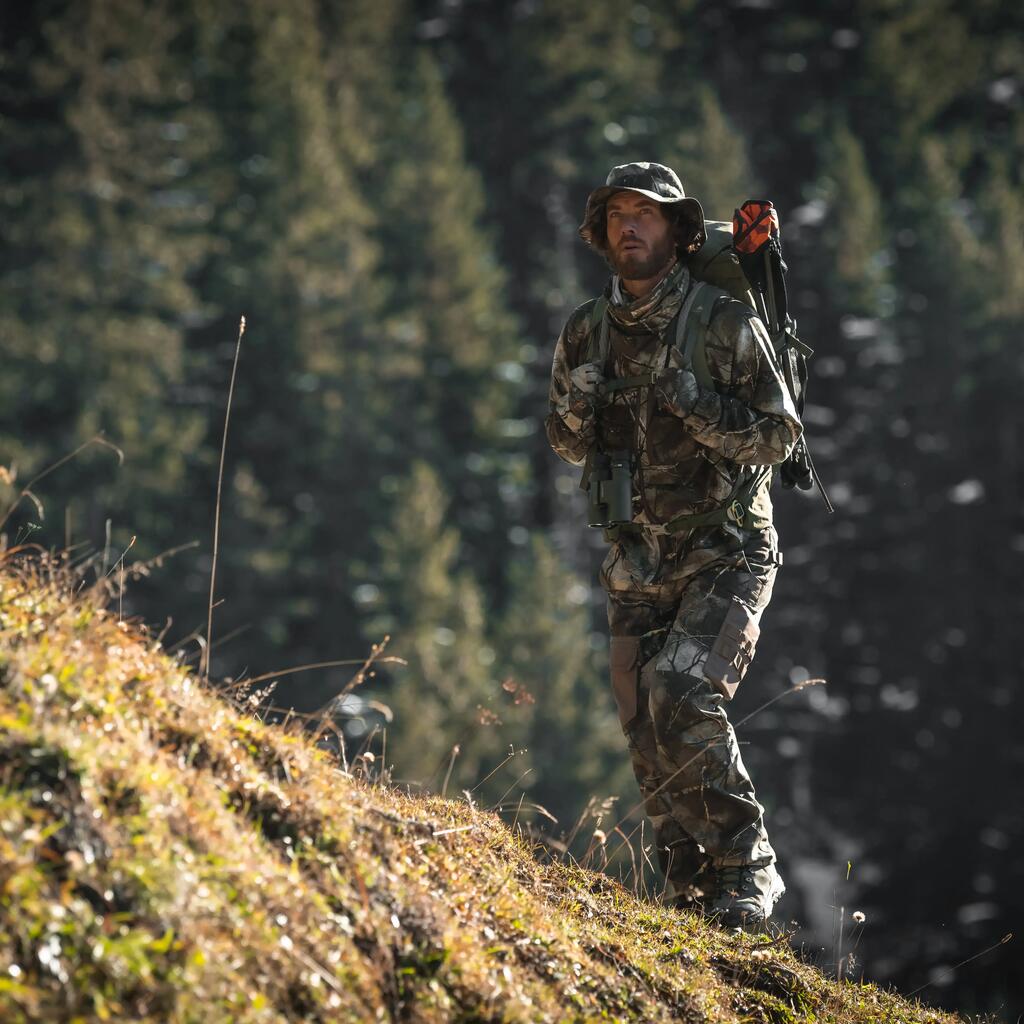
x=26, y=491
x=511, y=754
x=204, y=664
x=451, y=764
x=952, y=970
x=390, y=660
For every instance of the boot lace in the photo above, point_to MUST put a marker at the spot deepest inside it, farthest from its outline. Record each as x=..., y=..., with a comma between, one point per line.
x=730, y=881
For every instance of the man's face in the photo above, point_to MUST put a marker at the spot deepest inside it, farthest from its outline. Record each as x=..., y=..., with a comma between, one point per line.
x=640, y=239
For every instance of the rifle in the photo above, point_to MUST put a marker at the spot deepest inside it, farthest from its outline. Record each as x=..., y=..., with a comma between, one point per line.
x=756, y=239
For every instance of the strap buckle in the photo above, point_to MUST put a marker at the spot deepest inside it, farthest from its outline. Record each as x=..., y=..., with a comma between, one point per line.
x=642, y=380
x=736, y=512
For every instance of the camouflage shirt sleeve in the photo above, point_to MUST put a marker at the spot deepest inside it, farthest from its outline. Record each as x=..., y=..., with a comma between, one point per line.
x=570, y=434
x=749, y=417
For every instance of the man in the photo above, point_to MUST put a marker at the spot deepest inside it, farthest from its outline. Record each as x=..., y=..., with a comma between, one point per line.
x=690, y=572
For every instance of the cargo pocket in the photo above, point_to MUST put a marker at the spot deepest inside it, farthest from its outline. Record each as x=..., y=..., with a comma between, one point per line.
x=733, y=650
x=623, y=657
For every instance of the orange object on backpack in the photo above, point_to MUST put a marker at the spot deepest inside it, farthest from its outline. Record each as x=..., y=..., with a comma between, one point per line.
x=754, y=224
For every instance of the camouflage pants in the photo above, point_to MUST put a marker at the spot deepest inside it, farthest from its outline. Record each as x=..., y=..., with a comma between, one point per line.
x=684, y=623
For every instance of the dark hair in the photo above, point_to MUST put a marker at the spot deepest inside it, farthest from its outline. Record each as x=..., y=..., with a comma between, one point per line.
x=688, y=233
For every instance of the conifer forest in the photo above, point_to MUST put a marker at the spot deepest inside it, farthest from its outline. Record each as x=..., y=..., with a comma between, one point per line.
x=389, y=193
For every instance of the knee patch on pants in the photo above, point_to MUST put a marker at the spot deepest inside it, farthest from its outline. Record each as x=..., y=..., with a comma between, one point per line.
x=624, y=659
x=733, y=649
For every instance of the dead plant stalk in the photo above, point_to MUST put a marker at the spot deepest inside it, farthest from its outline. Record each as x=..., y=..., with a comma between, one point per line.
x=26, y=491
x=204, y=663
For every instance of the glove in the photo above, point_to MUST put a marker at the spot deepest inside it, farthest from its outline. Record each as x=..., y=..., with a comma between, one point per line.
x=678, y=391
x=583, y=384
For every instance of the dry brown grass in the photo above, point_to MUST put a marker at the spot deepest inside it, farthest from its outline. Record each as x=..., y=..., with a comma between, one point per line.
x=164, y=856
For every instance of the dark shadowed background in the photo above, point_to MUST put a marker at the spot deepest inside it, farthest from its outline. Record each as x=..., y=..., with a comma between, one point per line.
x=389, y=192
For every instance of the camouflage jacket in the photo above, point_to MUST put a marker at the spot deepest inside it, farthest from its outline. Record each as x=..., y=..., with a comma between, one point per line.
x=688, y=463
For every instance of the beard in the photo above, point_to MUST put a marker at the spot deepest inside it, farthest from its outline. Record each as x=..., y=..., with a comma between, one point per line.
x=642, y=265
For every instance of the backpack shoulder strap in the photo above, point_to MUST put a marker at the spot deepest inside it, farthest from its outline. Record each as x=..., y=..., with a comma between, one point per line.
x=692, y=327
x=598, y=337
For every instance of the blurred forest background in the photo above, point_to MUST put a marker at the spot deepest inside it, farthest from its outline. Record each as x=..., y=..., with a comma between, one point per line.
x=389, y=191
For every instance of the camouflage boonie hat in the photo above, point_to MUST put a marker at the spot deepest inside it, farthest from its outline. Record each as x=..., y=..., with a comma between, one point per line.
x=655, y=181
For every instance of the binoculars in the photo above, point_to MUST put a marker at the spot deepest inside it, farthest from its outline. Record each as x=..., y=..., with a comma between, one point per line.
x=610, y=490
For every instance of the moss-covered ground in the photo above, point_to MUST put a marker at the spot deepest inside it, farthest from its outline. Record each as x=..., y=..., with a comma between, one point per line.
x=165, y=856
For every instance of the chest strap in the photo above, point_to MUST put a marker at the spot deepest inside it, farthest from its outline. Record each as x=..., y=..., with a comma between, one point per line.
x=643, y=380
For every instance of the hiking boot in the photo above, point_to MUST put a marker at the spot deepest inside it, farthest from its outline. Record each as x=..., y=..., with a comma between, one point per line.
x=743, y=896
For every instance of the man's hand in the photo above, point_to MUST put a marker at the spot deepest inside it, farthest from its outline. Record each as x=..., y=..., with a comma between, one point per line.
x=584, y=382
x=678, y=391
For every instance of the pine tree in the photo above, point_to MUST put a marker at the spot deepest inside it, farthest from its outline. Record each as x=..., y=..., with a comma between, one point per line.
x=433, y=611
x=447, y=353
x=709, y=155
x=377, y=324
x=855, y=232
x=102, y=229
x=296, y=255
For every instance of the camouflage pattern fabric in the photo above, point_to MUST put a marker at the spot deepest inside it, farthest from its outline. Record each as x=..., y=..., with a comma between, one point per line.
x=684, y=609
x=697, y=793
x=690, y=463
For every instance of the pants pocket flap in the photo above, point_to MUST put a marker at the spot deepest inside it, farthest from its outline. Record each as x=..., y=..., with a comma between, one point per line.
x=733, y=649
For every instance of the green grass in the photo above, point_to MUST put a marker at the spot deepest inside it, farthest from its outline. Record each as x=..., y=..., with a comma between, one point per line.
x=166, y=857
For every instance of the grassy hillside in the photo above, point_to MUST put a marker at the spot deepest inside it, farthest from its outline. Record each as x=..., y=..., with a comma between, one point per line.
x=166, y=857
